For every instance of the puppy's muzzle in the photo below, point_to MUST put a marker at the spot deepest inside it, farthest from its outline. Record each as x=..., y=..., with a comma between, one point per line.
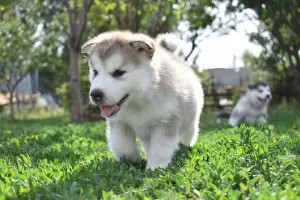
x=97, y=96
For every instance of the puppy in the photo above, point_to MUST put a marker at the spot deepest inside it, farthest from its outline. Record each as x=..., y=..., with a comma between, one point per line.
x=253, y=106
x=145, y=93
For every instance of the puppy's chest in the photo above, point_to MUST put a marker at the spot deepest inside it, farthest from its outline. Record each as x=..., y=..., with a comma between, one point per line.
x=254, y=114
x=141, y=119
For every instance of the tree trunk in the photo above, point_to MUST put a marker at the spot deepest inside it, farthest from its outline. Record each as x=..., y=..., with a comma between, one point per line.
x=297, y=75
x=75, y=89
x=18, y=103
x=11, y=104
x=77, y=21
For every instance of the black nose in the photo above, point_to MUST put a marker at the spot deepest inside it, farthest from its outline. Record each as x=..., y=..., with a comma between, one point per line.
x=268, y=96
x=97, y=95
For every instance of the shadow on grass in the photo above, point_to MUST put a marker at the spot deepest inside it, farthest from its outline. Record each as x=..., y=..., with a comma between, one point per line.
x=60, y=143
x=102, y=175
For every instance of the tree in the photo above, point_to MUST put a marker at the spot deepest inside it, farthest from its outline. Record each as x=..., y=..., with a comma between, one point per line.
x=16, y=47
x=64, y=23
x=197, y=18
x=102, y=16
x=149, y=16
x=59, y=35
x=258, y=67
x=202, y=19
x=77, y=22
x=278, y=33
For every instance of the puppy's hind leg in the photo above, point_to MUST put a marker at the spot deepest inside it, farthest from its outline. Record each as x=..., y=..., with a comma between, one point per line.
x=122, y=141
x=190, y=135
x=190, y=131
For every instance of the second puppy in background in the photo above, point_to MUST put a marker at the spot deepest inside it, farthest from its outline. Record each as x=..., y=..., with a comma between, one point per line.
x=253, y=106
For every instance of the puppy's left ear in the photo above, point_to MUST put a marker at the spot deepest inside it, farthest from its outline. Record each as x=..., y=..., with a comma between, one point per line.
x=142, y=46
x=251, y=86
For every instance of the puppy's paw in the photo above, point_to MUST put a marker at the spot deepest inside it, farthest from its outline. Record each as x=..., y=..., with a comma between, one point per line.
x=233, y=122
x=156, y=166
x=131, y=159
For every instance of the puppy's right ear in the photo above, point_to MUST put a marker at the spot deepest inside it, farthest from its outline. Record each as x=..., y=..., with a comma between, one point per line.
x=142, y=46
x=87, y=48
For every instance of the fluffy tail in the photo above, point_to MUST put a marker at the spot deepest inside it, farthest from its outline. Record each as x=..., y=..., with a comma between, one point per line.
x=170, y=42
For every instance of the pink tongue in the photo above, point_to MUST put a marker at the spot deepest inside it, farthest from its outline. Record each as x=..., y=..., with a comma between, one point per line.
x=265, y=102
x=107, y=111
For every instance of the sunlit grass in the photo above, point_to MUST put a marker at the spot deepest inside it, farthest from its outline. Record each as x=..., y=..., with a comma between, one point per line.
x=49, y=158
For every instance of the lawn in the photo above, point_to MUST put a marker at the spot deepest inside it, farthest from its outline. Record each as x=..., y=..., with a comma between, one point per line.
x=50, y=158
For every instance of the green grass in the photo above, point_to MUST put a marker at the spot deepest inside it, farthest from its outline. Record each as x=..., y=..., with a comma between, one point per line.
x=53, y=159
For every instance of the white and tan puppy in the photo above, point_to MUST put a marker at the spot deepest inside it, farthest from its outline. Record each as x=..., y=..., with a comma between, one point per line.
x=144, y=93
x=252, y=108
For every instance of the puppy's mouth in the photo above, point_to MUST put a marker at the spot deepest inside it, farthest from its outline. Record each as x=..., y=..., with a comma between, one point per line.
x=110, y=110
x=264, y=101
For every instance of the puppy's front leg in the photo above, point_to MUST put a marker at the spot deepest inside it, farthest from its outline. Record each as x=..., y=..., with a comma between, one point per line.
x=122, y=141
x=235, y=118
x=164, y=141
x=262, y=119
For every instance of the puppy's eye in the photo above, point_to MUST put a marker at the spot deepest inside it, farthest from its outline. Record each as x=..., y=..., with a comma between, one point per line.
x=260, y=91
x=95, y=72
x=118, y=73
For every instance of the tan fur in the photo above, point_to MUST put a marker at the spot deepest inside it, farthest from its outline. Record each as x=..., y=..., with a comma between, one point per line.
x=108, y=43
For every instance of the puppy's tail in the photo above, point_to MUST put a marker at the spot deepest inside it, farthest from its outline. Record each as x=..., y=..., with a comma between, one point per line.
x=169, y=42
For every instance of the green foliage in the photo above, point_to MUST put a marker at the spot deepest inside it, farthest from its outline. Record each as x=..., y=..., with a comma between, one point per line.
x=236, y=95
x=198, y=13
x=203, y=76
x=279, y=36
x=53, y=159
x=257, y=67
x=17, y=46
x=49, y=23
x=151, y=16
x=17, y=56
x=65, y=96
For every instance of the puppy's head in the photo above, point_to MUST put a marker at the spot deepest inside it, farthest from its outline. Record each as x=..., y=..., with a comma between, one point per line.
x=260, y=93
x=119, y=68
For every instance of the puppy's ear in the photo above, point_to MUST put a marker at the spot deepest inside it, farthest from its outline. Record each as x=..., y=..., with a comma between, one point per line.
x=251, y=86
x=87, y=48
x=142, y=46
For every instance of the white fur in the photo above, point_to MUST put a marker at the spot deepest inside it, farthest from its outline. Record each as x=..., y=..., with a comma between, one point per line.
x=249, y=108
x=163, y=108
x=173, y=43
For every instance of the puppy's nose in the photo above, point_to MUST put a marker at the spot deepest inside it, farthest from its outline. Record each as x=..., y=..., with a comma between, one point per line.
x=97, y=95
x=268, y=96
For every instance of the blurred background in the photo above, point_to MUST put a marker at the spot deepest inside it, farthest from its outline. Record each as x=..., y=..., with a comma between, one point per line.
x=229, y=44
